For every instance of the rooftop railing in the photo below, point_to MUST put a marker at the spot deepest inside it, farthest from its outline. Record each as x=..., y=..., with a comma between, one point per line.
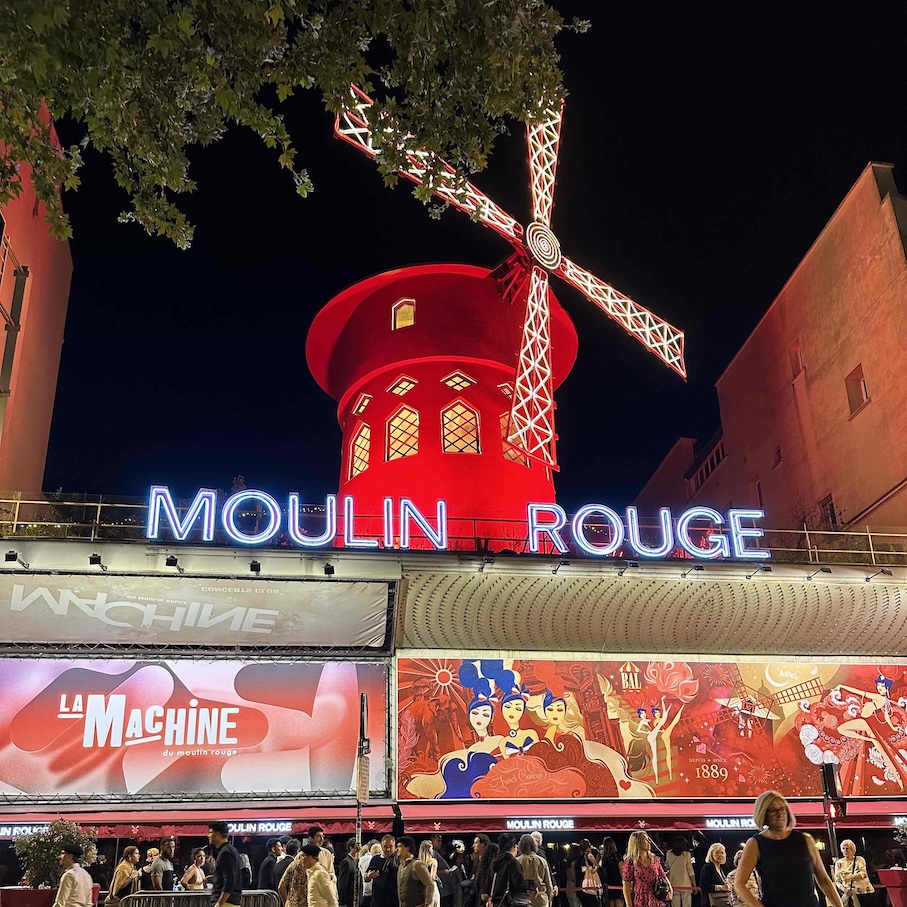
x=102, y=518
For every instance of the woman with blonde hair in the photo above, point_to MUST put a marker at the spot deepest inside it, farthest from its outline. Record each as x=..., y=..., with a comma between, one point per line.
x=788, y=861
x=640, y=871
x=427, y=856
x=850, y=875
x=712, y=880
x=125, y=877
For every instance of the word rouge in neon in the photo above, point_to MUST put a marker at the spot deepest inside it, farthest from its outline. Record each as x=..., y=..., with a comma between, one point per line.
x=544, y=520
x=109, y=723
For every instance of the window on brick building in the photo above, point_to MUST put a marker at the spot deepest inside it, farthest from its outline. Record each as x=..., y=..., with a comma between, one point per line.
x=756, y=490
x=796, y=359
x=827, y=513
x=857, y=392
x=779, y=456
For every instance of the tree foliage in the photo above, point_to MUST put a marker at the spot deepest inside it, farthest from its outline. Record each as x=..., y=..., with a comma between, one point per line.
x=148, y=79
x=39, y=852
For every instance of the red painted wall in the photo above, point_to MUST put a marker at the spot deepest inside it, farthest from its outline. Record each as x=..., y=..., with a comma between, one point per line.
x=461, y=324
x=26, y=425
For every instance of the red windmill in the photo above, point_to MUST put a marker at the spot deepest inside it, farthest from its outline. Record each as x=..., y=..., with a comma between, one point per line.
x=445, y=374
x=536, y=254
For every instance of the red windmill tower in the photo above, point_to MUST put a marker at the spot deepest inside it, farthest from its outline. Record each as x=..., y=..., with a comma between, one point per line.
x=433, y=361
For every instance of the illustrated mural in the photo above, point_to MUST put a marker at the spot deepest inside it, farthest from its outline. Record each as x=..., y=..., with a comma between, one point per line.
x=507, y=729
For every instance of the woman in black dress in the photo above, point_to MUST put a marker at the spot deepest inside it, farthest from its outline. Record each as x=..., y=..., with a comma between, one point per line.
x=788, y=862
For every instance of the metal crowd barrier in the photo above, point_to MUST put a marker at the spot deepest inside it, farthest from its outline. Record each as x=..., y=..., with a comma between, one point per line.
x=252, y=898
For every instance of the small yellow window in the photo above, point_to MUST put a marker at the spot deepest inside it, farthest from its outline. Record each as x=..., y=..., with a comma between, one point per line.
x=403, y=434
x=460, y=429
x=359, y=450
x=510, y=452
x=403, y=314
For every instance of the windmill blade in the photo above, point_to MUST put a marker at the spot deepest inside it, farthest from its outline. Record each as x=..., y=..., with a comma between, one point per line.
x=661, y=338
x=543, y=137
x=531, y=424
x=352, y=126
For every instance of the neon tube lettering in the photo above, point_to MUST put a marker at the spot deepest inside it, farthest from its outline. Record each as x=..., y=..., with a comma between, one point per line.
x=330, y=523
x=552, y=530
x=389, y=522
x=739, y=535
x=617, y=530
x=203, y=505
x=228, y=517
x=667, y=532
x=718, y=546
x=409, y=512
x=349, y=539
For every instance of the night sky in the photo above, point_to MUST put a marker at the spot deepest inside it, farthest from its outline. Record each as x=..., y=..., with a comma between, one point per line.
x=704, y=147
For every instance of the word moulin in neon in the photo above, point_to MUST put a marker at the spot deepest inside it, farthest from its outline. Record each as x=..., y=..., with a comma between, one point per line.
x=203, y=507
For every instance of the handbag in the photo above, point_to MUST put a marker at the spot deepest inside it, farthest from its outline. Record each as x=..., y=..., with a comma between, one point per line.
x=719, y=899
x=661, y=888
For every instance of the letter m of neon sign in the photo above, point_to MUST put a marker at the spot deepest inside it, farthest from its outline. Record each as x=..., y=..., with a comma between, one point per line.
x=160, y=503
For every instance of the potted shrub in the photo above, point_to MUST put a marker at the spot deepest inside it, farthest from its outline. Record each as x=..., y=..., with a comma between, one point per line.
x=39, y=854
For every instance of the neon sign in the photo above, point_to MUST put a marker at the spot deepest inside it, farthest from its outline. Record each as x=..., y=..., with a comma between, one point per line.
x=595, y=529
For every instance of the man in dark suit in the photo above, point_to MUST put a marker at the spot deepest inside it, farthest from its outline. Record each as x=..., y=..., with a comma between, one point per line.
x=348, y=878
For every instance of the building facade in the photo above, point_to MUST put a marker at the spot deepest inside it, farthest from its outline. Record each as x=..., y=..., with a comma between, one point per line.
x=814, y=405
x=35, y=274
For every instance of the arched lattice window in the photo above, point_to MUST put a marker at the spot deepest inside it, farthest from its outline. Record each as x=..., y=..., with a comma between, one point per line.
x=510, y=452
x=403, y=314
x=359, y=450
x=460, y=429
x=403, y=434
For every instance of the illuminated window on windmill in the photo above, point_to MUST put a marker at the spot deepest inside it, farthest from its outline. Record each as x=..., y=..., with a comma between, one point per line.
x=403, y=314
x=359, y=449
x=510, y=452
x=402, y=385
x=403, y=434
x=361, y=404
x=458, y=381
x=506, y=390
x=460, y=429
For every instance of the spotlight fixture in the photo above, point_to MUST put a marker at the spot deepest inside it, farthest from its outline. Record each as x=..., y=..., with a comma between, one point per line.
x=12, y=557
x=759, y=568
x=94, y=560
x=817, y=572
x=255, y=567
x=696, y=568
x=487, y=559
x=328, y=569
x=630, y=565
x=882, y=571
x=563, y=562
x=174, y=561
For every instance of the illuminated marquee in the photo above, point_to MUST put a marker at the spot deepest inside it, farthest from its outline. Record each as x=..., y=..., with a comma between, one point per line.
x=727, y=537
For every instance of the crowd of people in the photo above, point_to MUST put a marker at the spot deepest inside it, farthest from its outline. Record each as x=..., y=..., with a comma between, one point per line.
x=778, y=866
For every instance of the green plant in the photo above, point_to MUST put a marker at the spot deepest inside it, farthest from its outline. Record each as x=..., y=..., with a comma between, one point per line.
x=900, y=833
x=39, y=852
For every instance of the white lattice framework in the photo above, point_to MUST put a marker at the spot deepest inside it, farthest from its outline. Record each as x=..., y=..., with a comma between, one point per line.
x=531, y=420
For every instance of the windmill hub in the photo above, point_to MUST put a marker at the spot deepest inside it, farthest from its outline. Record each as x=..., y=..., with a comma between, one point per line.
x=543, y=245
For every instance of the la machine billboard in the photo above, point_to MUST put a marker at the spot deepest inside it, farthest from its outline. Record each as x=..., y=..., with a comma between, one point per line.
x=547, y=526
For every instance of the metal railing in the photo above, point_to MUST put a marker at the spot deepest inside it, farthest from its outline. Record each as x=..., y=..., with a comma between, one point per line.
x=123, y=519
x=256, y=898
